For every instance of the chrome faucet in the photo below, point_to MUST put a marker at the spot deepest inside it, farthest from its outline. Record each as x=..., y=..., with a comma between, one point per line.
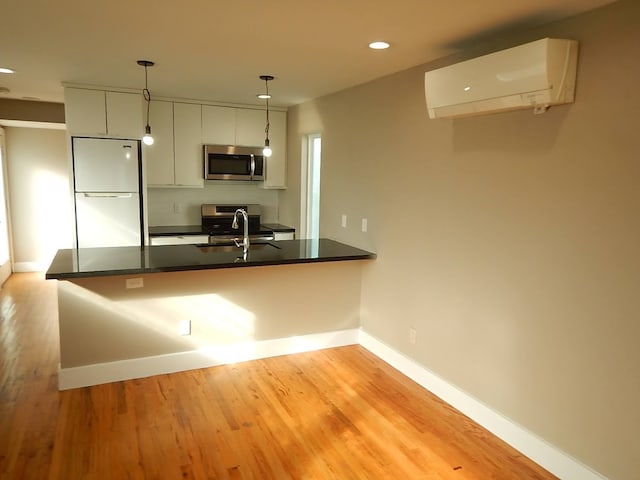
x=245, y=239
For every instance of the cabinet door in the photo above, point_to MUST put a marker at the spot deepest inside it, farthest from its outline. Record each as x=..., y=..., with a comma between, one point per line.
x=85, y=111
x=250, y=125
x=158, y=158
x=277, y=236
x=277, y=162
x=179, y=240
x=189, y=156
x=218, y=125
x=124, y=115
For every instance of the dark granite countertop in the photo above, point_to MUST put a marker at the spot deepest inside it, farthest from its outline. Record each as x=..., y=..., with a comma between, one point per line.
x=95, y=262
x=170, y=230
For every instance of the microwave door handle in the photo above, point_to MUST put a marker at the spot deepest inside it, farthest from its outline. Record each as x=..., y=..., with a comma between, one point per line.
x=205, y=164
x=253, y=165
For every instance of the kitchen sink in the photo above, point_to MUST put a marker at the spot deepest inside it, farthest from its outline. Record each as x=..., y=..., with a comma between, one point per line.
x=232, y=248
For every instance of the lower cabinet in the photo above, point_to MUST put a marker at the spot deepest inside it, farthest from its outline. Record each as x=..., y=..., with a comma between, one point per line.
x=284, y=236
x=179, y=239
x=198, y=239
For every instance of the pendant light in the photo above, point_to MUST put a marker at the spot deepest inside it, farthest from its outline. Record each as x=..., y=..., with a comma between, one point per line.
x=147, y=139
x=267, y=148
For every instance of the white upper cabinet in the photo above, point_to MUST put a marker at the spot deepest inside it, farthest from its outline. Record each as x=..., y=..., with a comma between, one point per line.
x=189, y=156
x=85, y=111
x=250, y=125
x=125, y=114
x=159, y=159
x=218, y=125
x=175, y=159
x=100, y=113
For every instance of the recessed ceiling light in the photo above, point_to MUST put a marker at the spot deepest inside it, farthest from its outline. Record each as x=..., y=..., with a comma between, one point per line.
x=379, y=45
x=263, y=96
x=6, y=70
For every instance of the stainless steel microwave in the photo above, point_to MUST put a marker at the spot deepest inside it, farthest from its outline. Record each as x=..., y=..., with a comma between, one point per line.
x=230, y=162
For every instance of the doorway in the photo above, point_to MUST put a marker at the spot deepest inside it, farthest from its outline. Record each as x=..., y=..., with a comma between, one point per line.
x=5, y=249
x=310, y=188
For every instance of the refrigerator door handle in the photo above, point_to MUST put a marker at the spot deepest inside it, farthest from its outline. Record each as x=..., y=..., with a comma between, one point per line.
x=107, y=195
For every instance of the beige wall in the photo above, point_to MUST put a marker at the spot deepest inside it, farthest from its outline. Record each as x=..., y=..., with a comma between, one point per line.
x=23, y=110
x=39, y=195
x=509, y=242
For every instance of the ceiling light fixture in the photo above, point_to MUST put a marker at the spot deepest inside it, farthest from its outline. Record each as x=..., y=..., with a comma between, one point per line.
x=6, y=70
x=267, y=148
x=147, y=139
x=379, y=45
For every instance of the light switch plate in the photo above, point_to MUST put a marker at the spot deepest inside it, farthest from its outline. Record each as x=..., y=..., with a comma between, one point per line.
x=184, y=328
x=134, y=282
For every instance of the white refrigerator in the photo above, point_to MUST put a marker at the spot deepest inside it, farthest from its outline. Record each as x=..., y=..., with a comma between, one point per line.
x=108, y=203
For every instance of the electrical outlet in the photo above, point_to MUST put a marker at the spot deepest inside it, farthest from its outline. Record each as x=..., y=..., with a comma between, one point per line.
x=364, y=224
x=177, y=207
x=184, y=328
x=412, y=336
x=344, y=221
x=134, y=282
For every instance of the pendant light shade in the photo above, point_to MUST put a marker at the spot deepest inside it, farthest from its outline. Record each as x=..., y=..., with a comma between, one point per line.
x=267, y=147
x=147, y=139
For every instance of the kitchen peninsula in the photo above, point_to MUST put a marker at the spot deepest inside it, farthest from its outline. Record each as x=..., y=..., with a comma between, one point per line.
x=131, y=312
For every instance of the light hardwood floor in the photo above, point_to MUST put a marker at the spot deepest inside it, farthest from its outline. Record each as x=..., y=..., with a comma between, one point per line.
x=334, y=414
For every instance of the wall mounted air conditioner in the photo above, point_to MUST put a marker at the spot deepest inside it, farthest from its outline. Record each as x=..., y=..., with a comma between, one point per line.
x=534, y=75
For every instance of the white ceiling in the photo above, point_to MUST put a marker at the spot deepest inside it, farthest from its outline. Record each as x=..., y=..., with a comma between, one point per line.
x=216, y=50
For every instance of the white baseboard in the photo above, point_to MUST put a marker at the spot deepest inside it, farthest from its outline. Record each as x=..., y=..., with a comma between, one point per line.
x=210, y=356
x=24, y=267
x=554, y=460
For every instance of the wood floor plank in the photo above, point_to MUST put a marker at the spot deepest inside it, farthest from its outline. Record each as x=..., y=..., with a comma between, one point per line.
x=339, y=413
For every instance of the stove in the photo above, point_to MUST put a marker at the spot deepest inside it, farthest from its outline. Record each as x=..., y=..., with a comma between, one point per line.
x=217, y=220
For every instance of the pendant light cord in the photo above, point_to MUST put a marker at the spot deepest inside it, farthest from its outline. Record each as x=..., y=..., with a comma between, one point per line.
x=146, y=94
x=266, y=128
